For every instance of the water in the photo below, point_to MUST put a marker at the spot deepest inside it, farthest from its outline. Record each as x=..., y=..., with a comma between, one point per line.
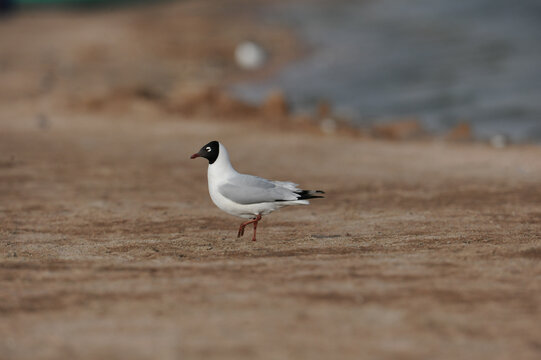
x=442, y=61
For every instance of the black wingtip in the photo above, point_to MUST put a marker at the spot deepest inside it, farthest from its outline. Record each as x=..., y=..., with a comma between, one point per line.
x=309, y=194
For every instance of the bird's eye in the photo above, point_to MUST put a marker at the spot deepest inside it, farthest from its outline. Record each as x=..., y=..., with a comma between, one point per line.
x=208, y=148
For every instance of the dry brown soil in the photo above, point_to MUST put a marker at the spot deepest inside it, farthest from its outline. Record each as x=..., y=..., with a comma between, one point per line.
x=110, y=247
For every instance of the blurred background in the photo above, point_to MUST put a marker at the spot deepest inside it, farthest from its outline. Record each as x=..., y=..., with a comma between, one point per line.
x=460, y=69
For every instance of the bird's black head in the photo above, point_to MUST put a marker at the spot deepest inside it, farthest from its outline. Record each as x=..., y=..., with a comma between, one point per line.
x=209, y=152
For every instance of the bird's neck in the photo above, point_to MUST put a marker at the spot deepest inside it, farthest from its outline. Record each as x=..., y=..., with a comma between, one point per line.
x=222, y=166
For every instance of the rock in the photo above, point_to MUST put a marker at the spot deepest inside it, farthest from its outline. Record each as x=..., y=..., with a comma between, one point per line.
x=347, y=129
x=324, y=109
x=228, y=106
x=328, y=125
x=275, y=106
x=209, y=100
x=302, y=119
x=197, y=100
x=499, y=141
x=400, y=130
x=461, y=132
x=122, y=99
x=304, y=122
x=249, y=55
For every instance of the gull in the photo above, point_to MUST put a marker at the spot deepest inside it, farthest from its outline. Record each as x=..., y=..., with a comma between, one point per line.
x=247, y=196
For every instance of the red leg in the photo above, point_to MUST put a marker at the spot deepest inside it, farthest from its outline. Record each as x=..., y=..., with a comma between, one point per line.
x=255, y=225
x=241, y=230
x=244, y=224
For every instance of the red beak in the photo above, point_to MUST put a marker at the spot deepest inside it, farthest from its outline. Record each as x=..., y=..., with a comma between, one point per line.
x=195, y=156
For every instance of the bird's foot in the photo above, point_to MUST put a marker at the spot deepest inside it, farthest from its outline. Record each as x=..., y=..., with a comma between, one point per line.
x=241, y=231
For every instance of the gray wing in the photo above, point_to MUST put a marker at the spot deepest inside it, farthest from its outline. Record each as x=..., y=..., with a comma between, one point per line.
x=247, y=189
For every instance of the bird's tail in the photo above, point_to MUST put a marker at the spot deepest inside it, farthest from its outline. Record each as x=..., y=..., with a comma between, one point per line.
x=309, y=194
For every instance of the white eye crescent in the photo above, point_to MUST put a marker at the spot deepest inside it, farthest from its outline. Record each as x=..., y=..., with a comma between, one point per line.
x=208, y=148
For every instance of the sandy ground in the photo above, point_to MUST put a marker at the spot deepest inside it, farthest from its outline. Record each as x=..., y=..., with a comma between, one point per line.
x=111, y=248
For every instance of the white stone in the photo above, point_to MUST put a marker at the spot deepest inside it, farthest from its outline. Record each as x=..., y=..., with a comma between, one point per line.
x=250, y=55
